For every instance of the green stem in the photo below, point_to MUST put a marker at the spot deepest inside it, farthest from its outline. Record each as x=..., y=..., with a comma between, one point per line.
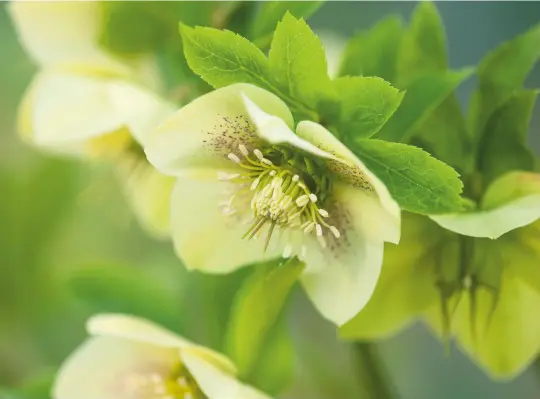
x=372, y=374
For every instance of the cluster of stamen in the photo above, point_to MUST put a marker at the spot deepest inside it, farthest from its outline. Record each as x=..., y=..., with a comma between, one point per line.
x=280, y=197
x=154, y=385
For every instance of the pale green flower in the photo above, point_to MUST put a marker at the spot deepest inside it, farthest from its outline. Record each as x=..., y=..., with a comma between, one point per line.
x=87, y=102
x=246, y=182
x=131, y=358
x=482, y=291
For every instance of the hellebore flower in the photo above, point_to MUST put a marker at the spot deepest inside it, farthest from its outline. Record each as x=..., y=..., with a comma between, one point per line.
x=480, y=286
x=132, y=358
x=249, y=188
x=90, y=103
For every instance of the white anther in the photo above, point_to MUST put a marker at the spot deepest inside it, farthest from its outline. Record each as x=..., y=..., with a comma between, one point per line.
x=302, y=200
x=287, y=251
x=276, y=182
x=243, y=150
x=295, y=178
x=318, y=228
x=309, y=227
x=335, y=231
x=322, y=241
x=224, y=176
x=303, y=251
x=258, y=154
x=313, y=197
x=233, y=158
x=273, y=173
x=323, y=213
x=294, y=216
x=267, y=161
x=255, y=183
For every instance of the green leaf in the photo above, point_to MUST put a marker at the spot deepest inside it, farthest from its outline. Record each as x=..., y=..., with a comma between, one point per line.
x=407, y=286
x=256, y=308
x=38, y=387
x=274, y=368
x=422, y=97
x=417, y=181
x=366, y=104
x=374, y=53
x=500, y=74
x=121, y=289
x=270, y=12
x=222, y=58
x=424, y=44
x=298, y=62
x=444, y=135
x=503, y=146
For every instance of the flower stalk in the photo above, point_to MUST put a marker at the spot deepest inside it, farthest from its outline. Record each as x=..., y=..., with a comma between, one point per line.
x=372, y=375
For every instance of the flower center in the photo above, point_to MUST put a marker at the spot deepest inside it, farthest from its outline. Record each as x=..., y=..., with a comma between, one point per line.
x=155, y=385
x=280, y=195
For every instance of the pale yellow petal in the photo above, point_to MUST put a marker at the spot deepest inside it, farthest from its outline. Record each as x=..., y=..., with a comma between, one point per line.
x=368, y=213
x=149, y=193
x=205, y=237
x=144, y=331
x=348, y=166
x=493, y=223
x=56, y=32
x=104, y=366
x=275, y=130
x=340, y=279
x=206, y=130
x=407, y=286
x=215, y=383
x=69, y=109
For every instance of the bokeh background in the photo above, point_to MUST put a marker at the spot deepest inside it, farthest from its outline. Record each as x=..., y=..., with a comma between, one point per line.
x=63, y=223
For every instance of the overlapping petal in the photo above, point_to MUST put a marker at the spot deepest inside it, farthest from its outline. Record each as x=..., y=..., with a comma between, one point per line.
x=102, y=366
x=55, y=33
x=68, y=110
x=217, y=384
x=407, y=286
x=205, y=237
x=203, y=132
x=346, y=270
x=510, y=202
x=149, y=193
x=143, y=331
x=124, y=349
x=347, y=166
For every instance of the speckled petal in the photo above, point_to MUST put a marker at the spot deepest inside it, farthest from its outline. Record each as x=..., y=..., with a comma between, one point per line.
x=348, y=167
x=205, y=131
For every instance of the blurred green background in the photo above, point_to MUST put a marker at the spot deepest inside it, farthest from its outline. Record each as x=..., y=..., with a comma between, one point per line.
x=63, y=224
